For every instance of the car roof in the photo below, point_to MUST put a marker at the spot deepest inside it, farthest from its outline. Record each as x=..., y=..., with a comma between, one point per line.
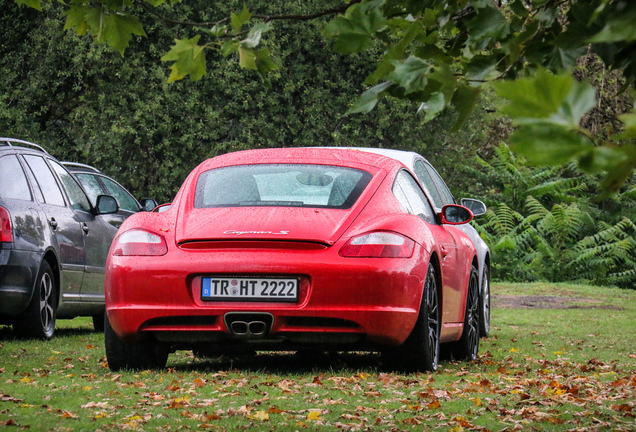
x=406, y=157
x=326, y=155
x=79, y=167
x=13, y=143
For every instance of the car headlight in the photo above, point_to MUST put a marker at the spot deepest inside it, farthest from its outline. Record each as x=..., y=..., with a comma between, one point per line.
x=378, y=244
x=138, y=242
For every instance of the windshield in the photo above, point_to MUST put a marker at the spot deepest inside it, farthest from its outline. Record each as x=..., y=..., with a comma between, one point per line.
x=281, y=185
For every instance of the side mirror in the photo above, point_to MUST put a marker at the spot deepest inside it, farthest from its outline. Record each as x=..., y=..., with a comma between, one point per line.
x=162, y=208
x=477, y=207
x=148, y=204
x=106, y=204
x=454, y=214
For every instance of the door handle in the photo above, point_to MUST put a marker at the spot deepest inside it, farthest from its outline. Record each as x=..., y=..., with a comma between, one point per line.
x=53, y=223
x=85, y=228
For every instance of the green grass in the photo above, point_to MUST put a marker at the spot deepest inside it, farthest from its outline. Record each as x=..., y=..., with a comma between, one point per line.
x=571, y=367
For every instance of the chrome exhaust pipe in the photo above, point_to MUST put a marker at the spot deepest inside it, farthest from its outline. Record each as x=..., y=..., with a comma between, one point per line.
x=245, y=325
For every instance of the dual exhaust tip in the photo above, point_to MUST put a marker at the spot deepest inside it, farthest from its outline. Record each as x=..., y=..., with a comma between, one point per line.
x=252, y=328
x=249, y=325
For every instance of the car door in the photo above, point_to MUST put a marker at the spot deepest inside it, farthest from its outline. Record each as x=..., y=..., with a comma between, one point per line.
x=128, y=205
x=453, y=249
x=94, y=187
x=98, y=235
x=64, y=224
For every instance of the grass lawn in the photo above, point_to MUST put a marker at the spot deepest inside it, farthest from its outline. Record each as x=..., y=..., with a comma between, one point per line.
x=560, y=357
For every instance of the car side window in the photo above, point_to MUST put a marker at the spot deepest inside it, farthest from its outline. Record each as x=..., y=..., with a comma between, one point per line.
x=46, y=180
x=125, y=200
x=78, y=198
x=408, y=191
x=447, y=196
x=13, y=180
x=423, y=175
x=91, y=186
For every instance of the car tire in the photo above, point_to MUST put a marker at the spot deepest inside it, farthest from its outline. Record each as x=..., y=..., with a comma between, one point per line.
x=38, y=321
x=98, y=322
x=484, y=304
x=141, y=355
x=421, y=350
x=467, y=347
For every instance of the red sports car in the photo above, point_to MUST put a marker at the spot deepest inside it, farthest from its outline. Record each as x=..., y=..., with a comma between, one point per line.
x=293, y=249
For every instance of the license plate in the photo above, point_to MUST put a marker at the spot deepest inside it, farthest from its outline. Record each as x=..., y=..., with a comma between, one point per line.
x=249, y=289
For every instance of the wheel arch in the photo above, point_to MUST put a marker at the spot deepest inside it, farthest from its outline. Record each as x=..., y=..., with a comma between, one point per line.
x=51, y=259
x=435, y=262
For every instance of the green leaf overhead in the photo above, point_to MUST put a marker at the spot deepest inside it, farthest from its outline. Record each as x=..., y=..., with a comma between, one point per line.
x=354, y=31
x=255, y=33
x=258, y=60
x=367, y=101
x=619, y=25
x=114, y=29
x=35, y=4
x=431, y=52
x=188, y=58
x=411, y=74
x=537, y=97
x=119, y=29
x=488, y=25
x=548, y=144
x=237, y=20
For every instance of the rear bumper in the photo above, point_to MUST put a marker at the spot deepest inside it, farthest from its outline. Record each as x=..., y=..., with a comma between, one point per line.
x=341, y=300
x=18, y=270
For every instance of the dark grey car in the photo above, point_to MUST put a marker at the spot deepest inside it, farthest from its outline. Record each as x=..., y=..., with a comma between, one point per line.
x=95, y=183
x=53, y=242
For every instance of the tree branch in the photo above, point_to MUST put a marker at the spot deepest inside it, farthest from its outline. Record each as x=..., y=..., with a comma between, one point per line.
x=266, y=18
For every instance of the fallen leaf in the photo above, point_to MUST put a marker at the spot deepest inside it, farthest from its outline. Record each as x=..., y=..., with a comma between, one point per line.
x=314, y=415
x=258, y=415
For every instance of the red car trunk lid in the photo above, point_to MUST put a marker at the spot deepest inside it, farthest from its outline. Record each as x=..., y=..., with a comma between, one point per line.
x=265, y=223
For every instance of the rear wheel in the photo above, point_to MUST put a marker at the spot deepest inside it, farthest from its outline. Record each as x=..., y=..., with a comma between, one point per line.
x=467, y=347
x=484, y=304
x=141, y=355
x=38, y=321
x=98, y=322
x=421, y=350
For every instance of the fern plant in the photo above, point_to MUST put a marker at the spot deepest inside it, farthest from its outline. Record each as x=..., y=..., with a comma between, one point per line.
x=545, y=224
x=609, y=256
x=512, y=240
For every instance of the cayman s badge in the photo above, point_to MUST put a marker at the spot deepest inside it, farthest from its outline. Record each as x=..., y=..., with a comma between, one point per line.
x=240, y=233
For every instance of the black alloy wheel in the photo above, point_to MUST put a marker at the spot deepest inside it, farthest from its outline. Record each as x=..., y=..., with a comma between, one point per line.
x=467, y=347
x=38, y=321
x=421, y=350
x=484, y=304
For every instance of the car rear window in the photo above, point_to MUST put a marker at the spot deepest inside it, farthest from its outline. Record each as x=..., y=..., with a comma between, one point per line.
x=281, y=185
x=12, y=178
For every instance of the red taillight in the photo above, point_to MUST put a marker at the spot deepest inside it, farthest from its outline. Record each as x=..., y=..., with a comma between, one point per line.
x=379, y=244
x=6, y=233
x=140, y=243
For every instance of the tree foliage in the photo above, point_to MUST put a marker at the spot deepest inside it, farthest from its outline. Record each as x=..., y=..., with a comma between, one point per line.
x=86, y=103
x=543, y=225
x=437, y=54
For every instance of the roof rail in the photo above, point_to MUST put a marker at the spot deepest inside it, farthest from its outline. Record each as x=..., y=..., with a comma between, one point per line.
x=80, y=165
x=13, y=141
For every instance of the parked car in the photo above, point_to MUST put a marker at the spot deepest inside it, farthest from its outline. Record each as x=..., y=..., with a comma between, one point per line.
x=53, y=242
x=293, y=249
x=440, y=195
x=96, y=183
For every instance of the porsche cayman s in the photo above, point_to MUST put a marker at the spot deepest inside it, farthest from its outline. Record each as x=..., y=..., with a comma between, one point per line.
x=294, y=249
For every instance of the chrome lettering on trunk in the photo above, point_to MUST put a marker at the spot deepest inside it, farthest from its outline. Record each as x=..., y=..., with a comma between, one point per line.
x=239, y=233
